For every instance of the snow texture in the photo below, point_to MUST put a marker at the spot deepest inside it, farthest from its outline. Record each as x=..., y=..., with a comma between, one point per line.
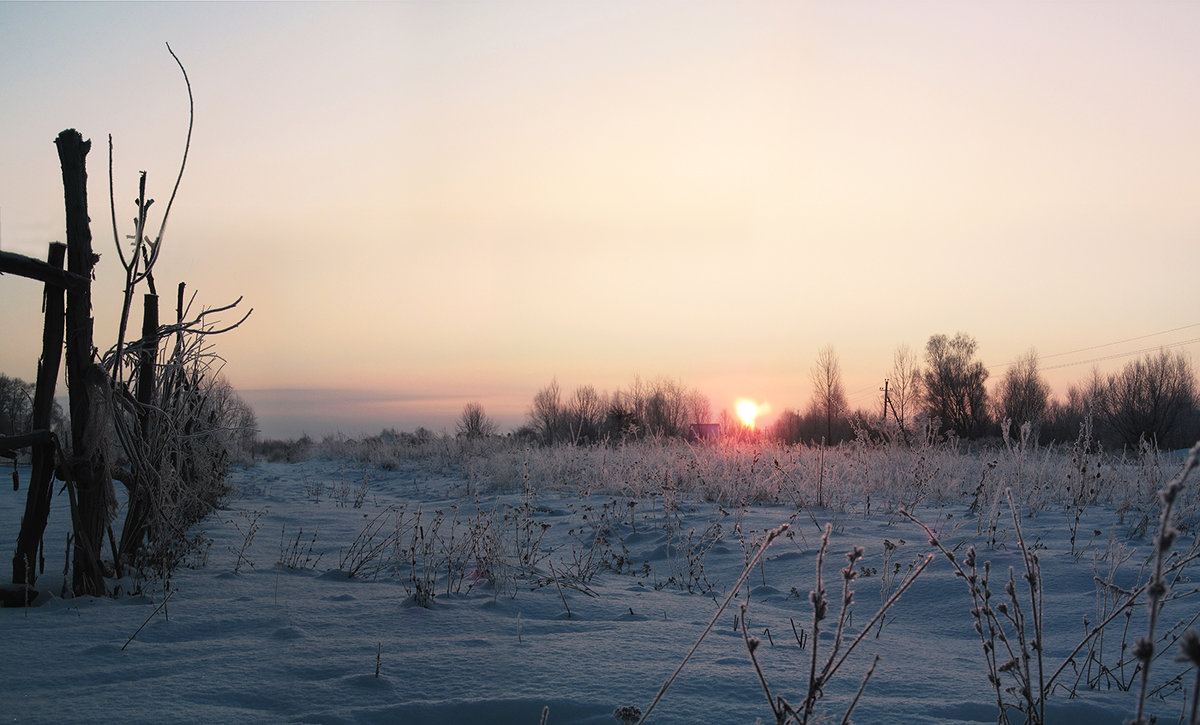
x=244, y=638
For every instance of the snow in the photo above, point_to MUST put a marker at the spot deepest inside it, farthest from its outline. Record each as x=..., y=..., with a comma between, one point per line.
x=244, y=639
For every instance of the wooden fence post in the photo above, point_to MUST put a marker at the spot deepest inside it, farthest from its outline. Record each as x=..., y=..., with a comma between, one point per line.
x=86, y=380
x=37, y=501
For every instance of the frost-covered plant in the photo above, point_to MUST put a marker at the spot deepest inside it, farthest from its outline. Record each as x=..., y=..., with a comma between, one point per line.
x=1189, y=651
x=733, y=590
x=368, y=554
x=527, y=534
x=1158, y=589
x=298, y=553
x=253, y=524
x=1009, y=625
x=1010, y=631
x=822, y=670
x=597, y=542
x=686, y=554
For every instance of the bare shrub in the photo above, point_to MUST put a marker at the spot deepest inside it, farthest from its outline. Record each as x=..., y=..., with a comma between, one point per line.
x=1150, y=398
x=1023, y=395
x=474, y=422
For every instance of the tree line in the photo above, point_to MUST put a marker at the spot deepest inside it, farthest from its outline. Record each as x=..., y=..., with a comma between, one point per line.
x=586, y=414
x=945, y=392
x=1151, y=400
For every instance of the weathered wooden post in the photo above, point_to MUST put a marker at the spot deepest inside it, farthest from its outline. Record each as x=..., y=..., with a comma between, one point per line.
x=86, y=381
x=147, y=357
x=37, y=501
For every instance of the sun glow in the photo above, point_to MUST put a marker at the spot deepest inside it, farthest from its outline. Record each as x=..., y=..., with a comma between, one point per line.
x=747, y=410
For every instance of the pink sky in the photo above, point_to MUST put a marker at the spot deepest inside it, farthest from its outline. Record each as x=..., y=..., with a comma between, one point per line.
x=429, y=203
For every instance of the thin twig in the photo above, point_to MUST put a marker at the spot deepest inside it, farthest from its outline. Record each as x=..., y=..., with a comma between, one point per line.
x=861, y=688
x=771, y=536
x=751, y=646
x=156, y=611
x=554, y=574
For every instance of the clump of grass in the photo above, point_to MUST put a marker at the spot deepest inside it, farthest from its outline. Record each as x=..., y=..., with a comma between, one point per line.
x=298, y=553
x=367, y=555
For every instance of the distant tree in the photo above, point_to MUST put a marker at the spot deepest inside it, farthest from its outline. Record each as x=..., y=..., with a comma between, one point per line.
x=633, y=401
x=235, y=418
x=662, y=408
x=16, y=405
x=1075, y=417
x=829, y=396
x=585, y=414
x=953, y=384
x=546, y=414
x=788, y=428
x=474, y=422
x=667, y=409
x=620, y=422
x=1023, y=395
x=699, y=408
x=1152, y=398
x=904, y=389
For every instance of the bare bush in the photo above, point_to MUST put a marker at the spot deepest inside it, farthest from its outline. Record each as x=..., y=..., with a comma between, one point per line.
x=474, y=422
x=1150, y=398
x=546, y=413
x=663, y=408
x=1023, y=395
x=585, y=414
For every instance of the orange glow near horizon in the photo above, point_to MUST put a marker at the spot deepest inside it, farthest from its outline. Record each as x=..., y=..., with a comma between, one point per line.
x=747, y=410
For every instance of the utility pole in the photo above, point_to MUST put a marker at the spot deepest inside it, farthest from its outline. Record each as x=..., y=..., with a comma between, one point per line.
x=887, y=403
x=885, y=400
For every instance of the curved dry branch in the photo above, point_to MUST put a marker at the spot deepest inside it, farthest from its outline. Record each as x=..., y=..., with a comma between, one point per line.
x=112, y=205
x=182, y=164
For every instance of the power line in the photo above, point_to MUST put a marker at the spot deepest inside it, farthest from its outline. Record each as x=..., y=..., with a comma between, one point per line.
x=1110, y=344
x=861, y=394
x=1121, y=342
x=1124, y=354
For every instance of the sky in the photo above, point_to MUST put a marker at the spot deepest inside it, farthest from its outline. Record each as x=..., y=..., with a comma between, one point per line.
x=429, y=203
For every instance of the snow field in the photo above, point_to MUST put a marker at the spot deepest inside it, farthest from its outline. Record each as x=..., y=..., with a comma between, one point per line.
x=543, y=586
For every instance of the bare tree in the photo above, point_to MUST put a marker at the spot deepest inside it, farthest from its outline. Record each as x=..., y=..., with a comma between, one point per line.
x=546, y=415
x=16, y=405
x=1023, y=395
x=585, y=413
x=699, y=407
x=667, y=408
x=788, y=428
x=474, y=422
x=905, y=383
x=953, y=383
x=1151, y=398
x=829, y=396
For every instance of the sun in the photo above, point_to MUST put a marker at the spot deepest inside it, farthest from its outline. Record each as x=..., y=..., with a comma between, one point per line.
x=747, y=410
